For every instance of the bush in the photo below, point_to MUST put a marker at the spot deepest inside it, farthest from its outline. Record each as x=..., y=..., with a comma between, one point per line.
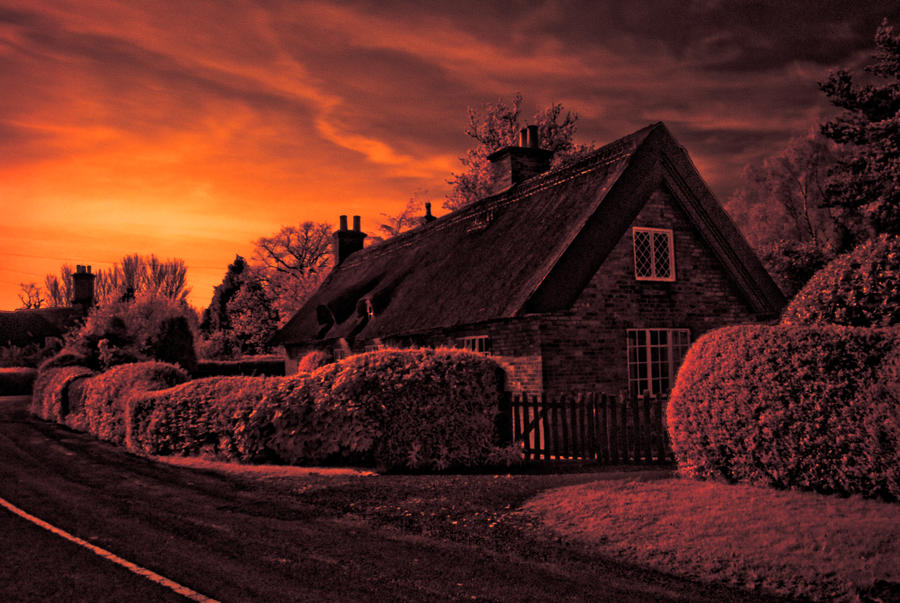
x=251, y=366
x=106, y=396
x=418, y=409
x=809, y=407
x=147, y=328
x=16, y=381
x=860, y=288
x=313, y=360
x=195, y=417
x=49, y=398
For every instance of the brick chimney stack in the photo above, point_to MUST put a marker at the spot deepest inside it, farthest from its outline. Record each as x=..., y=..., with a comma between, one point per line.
x=83, y=287
x=514, y=164
x=347, y=241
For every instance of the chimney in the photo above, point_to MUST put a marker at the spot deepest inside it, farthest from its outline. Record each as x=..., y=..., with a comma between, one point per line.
x=514, y=164
x=83, y=287
x=347, y=241
x=428, y=216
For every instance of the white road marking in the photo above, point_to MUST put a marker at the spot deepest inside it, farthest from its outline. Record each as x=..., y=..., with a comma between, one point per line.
x=140, y=571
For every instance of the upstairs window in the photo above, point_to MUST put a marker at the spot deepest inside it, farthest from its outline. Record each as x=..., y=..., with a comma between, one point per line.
x=654, y=254
x=654, y=356
x=478, y=343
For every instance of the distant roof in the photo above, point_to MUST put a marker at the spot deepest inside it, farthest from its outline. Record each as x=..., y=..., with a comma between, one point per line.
x=22, y=327
x=497, y=257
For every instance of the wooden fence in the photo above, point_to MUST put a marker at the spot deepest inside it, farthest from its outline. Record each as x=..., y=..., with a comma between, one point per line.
x=589, y=427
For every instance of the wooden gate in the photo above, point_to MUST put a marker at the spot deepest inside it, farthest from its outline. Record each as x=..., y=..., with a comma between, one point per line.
x=590, y=427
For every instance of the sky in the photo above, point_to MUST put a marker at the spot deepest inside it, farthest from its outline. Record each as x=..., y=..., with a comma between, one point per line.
x=191, y=129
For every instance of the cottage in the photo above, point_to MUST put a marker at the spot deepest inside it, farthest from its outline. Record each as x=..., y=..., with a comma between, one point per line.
x=594, y=276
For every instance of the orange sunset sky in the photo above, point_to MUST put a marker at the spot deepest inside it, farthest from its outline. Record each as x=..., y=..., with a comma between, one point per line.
x=192, y=128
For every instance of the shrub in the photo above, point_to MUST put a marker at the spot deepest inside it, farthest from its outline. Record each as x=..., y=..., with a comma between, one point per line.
x=196, y=417
x=147, y=328
x=106, y=396
x=419, y=409
x=860, y=288
x=49, y=398
x=811, y=407
x=313, y=360
x=250, y=366
x=16, y=381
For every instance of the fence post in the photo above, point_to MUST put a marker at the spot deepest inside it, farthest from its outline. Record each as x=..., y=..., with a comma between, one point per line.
x=540, y=438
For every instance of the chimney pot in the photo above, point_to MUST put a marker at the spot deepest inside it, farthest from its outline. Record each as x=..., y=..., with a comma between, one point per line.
x=523, y=137
x=343, y=223
x=428, y=216
x=347, y=241
x=356, y=226
x=533, y=138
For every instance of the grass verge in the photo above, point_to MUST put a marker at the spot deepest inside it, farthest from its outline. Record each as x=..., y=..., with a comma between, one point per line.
x=796, y=544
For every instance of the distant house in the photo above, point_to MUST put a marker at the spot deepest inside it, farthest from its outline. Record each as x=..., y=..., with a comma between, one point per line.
x=594, y=276
x=23, y=327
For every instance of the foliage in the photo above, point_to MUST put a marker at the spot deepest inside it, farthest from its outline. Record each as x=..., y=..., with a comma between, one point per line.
x=496, y=126
x=292, y=262
x=31, y=354
x=866, y=180
x=253, y=317
x=107, y=395
x=313, y=360
x=418, y=409
x=147, y=328
x=781, y=197
x=792, y=263
x=251, y=366
x=131, y=276
x=788, y=406
x=199, y=416
x=215, y=317
x=31, y=296
x=16, y=380
x=859, y=288
x=48, y=398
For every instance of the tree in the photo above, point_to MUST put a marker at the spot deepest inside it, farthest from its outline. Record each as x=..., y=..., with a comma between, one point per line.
x=497, y=125
x=59, y=289
x=866, y=181
x=30, y=295
x=413, y=215
x=215, y=316
x=253, y=317
x=292, y=263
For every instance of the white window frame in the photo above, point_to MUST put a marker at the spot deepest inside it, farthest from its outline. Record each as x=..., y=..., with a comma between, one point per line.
x=660, y=361
x=654, y=232
x=476, y=343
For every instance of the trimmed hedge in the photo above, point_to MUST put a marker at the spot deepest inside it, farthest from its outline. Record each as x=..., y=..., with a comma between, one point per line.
x=249, y=367
x=313, y=360
x=196, y=417
x=860, y=289
x=809, y=407
x=106, y=396
x=50, y=396
x=17, y=380
x=416, y=409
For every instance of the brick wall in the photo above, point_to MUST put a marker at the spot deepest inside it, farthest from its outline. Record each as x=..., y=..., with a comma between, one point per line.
x=584, y=348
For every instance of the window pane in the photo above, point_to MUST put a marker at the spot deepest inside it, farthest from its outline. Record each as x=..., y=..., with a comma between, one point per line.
x=643, y=262
x=661, y=255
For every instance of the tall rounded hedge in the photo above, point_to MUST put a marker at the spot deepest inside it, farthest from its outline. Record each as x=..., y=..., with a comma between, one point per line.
x=107, y=395
x=415, y=409
x=860, y=289
x=50, y=395
x=788, y=406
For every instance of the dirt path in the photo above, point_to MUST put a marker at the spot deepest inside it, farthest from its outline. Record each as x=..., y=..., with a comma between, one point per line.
x=239, y=541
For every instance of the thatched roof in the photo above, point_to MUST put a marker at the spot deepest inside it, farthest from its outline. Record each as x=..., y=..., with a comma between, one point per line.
x=531, y=248
x=22, y=327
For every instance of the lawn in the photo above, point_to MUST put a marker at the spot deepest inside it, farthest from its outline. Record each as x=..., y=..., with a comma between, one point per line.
x=796, y=544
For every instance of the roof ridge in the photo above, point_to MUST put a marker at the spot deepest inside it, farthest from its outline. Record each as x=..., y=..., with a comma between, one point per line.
x=605, y=155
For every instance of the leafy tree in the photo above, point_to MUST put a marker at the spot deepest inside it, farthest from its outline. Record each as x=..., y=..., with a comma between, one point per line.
x=253, y=317
x=215, y=317
x=866, y=181
x=30, y=295
x=292, y=263
x=497, y=125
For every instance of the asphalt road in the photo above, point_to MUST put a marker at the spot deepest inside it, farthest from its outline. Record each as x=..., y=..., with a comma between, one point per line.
x=238, y=541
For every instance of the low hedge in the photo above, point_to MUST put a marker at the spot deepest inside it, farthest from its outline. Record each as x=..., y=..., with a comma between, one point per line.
x=16, y=380
x=416, y=409
x=249, y=367
x=106, y=395
x=788, y=406
x=50, y=396
x=199, y=416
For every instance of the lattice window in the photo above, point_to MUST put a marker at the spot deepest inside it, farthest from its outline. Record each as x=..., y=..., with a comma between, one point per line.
x=478, y=343
x=654, y=254
x=654, y=356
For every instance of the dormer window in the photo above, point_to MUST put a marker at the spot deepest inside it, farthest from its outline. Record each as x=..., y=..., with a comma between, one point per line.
x=654, y=254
